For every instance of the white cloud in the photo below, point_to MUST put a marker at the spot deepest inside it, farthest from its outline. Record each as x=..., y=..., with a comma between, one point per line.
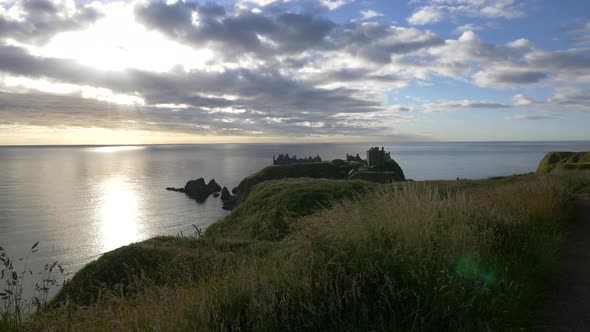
x=433, y=11
x=335, y=4
x=369, y=14
x=522, y=100
x=426, y=15
x=466, y=27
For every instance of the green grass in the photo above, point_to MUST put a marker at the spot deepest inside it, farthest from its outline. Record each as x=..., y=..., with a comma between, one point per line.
x=377, y=177
x=438, y=256
x=560, y=160
x=321, y=170
x=270, y=207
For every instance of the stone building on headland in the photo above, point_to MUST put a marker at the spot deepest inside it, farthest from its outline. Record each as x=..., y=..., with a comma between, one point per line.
x=376, y=158
x=356, y=158
x=284, y=159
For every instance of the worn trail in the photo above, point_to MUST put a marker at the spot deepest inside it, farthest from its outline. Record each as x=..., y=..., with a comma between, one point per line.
x=568, y=304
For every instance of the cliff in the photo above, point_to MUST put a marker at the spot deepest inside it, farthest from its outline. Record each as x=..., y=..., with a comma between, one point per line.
x=561, y=160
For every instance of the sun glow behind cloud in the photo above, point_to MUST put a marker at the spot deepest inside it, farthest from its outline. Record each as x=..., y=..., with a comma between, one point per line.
x=118, y=42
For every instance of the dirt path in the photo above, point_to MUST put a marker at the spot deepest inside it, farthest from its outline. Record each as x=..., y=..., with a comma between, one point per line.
x=568, y=305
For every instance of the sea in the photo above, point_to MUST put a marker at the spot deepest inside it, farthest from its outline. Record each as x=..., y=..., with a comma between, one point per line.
x=79, y=202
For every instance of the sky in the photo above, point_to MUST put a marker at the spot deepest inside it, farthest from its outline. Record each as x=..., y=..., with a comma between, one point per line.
x=220, y=71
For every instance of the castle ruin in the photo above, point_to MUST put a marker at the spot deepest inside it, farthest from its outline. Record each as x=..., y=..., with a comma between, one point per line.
x=377, y=158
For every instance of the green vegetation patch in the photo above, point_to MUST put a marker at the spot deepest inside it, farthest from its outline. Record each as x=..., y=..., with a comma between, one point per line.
x=270, y=207
x=321, y=170
x=164, y=260
x=560, y=160
x=378, y=177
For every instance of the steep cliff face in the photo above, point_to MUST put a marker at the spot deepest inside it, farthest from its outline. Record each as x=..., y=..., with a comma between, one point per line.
x=563, y=160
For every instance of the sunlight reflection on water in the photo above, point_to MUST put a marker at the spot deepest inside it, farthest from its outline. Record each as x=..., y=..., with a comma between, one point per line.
x=118, y=213
x=107, y=149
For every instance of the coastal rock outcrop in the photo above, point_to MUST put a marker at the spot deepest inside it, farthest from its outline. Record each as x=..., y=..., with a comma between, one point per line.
x=198, y=189
x=225, y=193
x=229, y=201
x=213, y=186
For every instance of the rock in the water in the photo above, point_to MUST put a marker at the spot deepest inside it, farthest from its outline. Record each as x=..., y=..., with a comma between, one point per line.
x=229, y=201
x=197, y=189
x=213, y=186
x=216, y=195
x=225, y=195
x=180, y=190
x=234, y=191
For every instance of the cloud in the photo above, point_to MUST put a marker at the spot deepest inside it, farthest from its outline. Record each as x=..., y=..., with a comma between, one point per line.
x=243, y=32
x=581, y=34
x=335, y=4
x=440, y=106
x=427, y=15
x=466, y=27
x=433, y=11
x=508, y=77
x=571, y=96
x=522, y=100
x=267, y=36
x=368, y=14
x=36, y=21
x=378, y=43
x=530, y=117
x=259, y=97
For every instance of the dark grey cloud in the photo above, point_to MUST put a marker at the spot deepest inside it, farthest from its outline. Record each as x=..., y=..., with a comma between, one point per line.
x=211, y=9
x=261, y=90
x=572, y=96
x=348, y=75
x=172, y=19
x=42, y=19
x=378, y=43
x=38, y=109
x=518, y=77
x=285, y=32
x=570, y=59
x=265, y=98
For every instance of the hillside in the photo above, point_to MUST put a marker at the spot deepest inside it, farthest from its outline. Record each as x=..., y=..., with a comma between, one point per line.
x=560, y=160
x=455, y=255
x=319, y=170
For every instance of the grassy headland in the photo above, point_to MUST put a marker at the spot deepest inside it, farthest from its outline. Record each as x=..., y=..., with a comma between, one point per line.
x=308, y=254
x=337, y=169
x=560, y=160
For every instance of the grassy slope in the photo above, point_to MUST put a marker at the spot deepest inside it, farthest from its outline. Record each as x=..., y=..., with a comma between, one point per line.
x=560, y=160
x=454, y=255
x=270, y=207
x=323, y=170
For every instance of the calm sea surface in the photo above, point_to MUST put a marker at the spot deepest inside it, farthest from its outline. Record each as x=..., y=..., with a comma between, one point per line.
x=80, y=202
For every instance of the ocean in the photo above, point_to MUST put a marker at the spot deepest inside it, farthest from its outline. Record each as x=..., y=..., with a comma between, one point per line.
x=82, y=201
